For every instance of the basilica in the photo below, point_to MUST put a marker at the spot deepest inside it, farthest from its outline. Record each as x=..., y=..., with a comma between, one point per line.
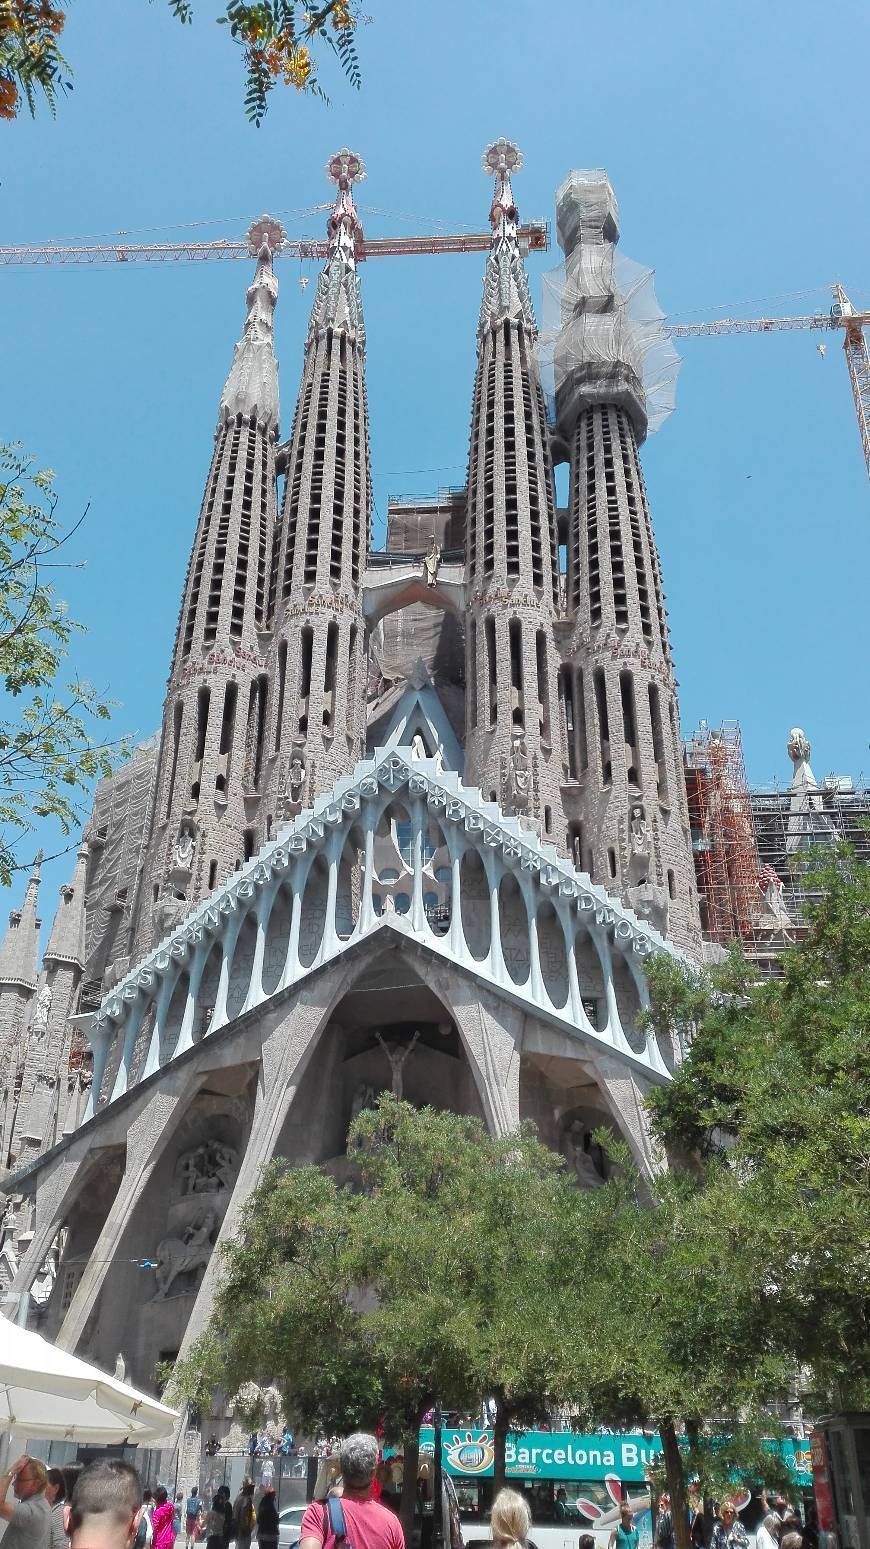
x=415, y=819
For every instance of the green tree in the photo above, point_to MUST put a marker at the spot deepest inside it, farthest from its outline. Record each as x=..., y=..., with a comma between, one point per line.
x=367, y=1305
x=749, y=1262
x=775, y=1096
x=280, y=40
x=681, y=1331
x=50, y=744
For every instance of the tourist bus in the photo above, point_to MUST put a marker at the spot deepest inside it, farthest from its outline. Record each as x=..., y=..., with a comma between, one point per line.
x=596, y=1472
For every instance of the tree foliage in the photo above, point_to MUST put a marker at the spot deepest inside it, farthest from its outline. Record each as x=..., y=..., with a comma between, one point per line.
x=774, y=1097
x=280, y=40
x=422, y=1282
x=51, y=742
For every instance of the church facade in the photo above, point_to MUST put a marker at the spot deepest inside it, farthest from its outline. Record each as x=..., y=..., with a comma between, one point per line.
x=415, y=819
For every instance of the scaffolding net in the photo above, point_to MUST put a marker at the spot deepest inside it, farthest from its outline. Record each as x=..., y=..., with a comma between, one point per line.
x=601, y=321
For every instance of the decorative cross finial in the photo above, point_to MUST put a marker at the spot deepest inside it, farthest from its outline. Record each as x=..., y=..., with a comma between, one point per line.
x=265, y=232
x=501, y=158
x=345, y=168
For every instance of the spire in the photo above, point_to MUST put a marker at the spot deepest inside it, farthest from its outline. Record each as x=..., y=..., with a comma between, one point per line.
x=20, y=946
x=66, y=943
x=337, y=300
x=506, y=287
x=252, y=385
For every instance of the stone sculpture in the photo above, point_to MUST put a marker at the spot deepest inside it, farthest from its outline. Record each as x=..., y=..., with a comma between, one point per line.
x=177, y=1255
x=40, y=1011
x=431, y=561
x=211, y=1167
x=397, y=1054
x=576, y=1147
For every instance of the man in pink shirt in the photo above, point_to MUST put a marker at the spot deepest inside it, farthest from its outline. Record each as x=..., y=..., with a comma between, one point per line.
x=367, y=1524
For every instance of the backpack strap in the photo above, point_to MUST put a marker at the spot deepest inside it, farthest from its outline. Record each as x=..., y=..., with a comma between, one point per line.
x=333, y=1520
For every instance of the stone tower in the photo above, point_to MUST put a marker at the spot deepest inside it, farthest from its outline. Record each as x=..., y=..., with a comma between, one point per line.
x=513, y=746
x=630, y=824
x=213, y=735
x=44, y=1087
x=316, y=720
x=19, y=955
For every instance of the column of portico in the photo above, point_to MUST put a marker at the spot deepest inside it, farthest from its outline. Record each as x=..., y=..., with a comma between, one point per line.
x=287, y=1049
x=146, y=1138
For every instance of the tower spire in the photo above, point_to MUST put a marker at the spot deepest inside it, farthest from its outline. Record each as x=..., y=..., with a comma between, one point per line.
x=20, y=946
x=317, y=703
x=506, y=286
x=212, y=739
x=512, y=747
x=251, y=389
x=337, y=301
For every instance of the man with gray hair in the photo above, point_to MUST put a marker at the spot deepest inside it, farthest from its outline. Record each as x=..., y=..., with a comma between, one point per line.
x=355, y=1520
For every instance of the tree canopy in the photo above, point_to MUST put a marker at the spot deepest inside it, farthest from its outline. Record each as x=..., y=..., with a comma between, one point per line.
x=51, y=742
x=422, y=1282
x=280, y=40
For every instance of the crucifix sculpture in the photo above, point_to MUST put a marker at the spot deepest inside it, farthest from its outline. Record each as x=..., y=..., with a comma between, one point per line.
x=397, y=1055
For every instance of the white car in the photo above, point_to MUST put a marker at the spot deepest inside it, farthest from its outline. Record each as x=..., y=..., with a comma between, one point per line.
x=289, y=1524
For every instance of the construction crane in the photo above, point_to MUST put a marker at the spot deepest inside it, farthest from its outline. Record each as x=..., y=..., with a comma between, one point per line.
x=841, y=316
x=534, y=237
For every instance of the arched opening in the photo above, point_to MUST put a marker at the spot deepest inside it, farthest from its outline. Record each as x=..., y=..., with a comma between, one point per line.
x=243, y=962
x=174, y=1017
x=552, y=955
x=390, y=1030
x=590, y=980
x=514, y=927
x=628, y=1003
x=313, y=916
x=277, y=939
x=474, y=895
x=206, y=998
x=349, y=883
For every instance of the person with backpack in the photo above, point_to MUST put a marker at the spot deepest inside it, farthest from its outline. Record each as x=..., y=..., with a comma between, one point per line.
x=191, y=1518
x=353, y=1520
x=244, y=1516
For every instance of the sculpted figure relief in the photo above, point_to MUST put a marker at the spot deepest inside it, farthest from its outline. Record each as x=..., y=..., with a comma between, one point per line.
x=576, y=1147
x=397, y=1054
x=212, y=1166
x=518, y=776
x=177, y=1255
x=39, y=1020
x=431, y=561
x=185, y=846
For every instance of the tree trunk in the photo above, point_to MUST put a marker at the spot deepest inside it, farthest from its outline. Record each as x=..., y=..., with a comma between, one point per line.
x=676, y=1476
x=500, y=1433
x=411, y=1450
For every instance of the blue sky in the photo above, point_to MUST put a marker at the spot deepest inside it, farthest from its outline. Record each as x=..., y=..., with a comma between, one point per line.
x=737, y=148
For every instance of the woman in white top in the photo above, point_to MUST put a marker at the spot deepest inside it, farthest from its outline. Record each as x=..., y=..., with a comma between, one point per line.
x=765, y=1537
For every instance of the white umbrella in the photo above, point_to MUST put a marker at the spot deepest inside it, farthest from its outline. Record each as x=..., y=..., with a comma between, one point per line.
x=45, y=1392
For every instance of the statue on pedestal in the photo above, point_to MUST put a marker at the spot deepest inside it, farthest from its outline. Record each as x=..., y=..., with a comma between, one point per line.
x=431, y=561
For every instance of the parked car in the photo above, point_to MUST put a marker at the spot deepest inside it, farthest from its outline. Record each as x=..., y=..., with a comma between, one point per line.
x=289, y=1524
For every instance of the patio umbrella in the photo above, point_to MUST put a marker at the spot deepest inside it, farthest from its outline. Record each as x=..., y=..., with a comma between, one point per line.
x=47, y=1393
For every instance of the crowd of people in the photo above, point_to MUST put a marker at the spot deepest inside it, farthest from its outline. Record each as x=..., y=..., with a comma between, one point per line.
x=103, y=1506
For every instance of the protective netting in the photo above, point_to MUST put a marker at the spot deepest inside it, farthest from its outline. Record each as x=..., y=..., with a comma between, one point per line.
x=601, y=320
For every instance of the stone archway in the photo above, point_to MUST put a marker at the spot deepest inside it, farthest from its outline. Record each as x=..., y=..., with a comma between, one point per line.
x=420, y=1047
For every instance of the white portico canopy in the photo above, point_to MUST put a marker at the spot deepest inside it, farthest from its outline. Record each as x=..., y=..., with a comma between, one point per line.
x=47, y=1393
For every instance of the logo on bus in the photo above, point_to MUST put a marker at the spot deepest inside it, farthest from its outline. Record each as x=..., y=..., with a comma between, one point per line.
x=470, y=1454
